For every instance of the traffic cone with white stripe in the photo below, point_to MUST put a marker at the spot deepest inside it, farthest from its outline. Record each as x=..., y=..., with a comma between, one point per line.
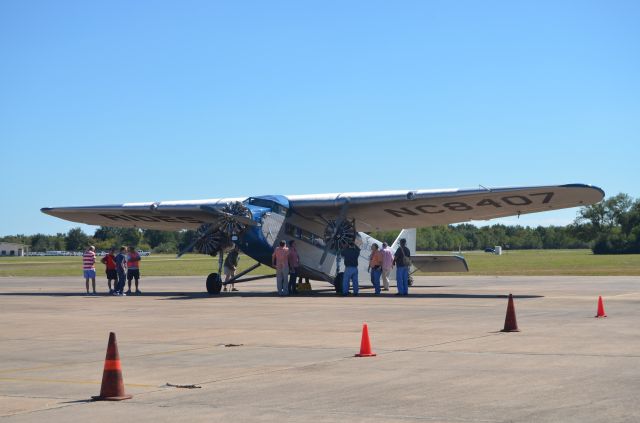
x=112, y=388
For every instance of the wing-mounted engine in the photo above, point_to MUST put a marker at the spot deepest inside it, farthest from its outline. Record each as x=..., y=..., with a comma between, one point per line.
x=210, y=241
x=338, y=235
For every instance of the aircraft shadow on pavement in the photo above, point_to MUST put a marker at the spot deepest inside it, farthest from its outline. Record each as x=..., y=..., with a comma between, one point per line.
x=365, y=292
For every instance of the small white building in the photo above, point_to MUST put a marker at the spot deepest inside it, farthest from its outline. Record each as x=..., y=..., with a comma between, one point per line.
x=11, y=249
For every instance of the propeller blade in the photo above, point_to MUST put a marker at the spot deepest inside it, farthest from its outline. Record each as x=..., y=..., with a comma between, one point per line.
x=192, y=244
x=324, y=254
x=339, y=220
x=187, y=248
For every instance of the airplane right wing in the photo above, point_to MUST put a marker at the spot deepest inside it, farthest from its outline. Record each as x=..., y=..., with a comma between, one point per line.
x=388, y=210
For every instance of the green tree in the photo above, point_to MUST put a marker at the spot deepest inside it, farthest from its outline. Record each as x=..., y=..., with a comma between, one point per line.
x=76, y=240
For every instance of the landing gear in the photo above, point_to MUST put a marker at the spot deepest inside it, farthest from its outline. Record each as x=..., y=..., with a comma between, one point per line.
x=214, y=284
x=214, y=280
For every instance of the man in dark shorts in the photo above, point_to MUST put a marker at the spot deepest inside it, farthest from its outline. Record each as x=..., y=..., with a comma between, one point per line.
x=110, y=262
x=133, y=268
x=230, y=266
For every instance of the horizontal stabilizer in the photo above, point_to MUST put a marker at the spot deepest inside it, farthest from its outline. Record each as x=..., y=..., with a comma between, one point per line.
x=434, y=263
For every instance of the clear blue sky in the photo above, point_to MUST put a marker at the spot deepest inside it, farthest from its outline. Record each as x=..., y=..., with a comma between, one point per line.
x=116, y=101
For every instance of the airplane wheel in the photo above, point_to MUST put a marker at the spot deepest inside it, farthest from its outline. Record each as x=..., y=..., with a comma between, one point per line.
x=337, y=283
x=214, y=284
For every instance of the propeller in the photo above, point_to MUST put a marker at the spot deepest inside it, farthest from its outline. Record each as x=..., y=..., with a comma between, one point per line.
x=231, y=220
x=338, y=233
x=202, y=232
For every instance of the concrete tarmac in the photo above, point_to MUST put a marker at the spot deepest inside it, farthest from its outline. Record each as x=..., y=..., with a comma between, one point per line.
x=441, y=356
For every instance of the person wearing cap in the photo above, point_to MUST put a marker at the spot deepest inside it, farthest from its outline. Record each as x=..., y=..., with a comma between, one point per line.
x=280, y=260
x=387, y=264
x=89, y=267
x=402, y=261
x=350, y=255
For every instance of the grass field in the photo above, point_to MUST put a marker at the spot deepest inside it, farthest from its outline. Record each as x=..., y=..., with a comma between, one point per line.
x=524, y=262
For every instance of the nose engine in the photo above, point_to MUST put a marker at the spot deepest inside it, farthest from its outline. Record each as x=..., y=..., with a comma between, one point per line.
x=231, y=220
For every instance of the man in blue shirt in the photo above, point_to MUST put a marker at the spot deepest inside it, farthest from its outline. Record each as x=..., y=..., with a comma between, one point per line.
x=350, y=256
x=121, y=268
x=402, y=261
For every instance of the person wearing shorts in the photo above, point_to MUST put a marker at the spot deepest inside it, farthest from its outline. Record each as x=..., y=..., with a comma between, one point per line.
x=133, y=269
x=112, y=274
x=89, y=267
x=230, y=266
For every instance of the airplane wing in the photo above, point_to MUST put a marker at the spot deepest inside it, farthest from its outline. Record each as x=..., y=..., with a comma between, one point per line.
x=162, y=215
x=381, y=210
x=439, y=263
x=388, y=210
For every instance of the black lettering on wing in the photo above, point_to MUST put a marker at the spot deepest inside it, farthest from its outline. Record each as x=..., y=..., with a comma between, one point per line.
x=399, y=213
x=168, y=219
x=488, y=202
x=547, y=196
x=425, y=208
x=144, y=218
x=114, y=217
x=188, y=219
x=517, y=200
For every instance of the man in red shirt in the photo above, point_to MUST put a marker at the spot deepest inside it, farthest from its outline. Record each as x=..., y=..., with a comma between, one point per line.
x=133, y=268
x=110, y=262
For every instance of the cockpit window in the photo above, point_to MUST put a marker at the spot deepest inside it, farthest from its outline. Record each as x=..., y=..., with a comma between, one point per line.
x=275, y=207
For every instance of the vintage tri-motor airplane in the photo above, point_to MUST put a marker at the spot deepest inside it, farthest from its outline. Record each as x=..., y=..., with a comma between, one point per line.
x=324, y=224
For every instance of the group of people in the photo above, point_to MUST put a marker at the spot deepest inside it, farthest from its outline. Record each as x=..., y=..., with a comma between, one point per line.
x=120, y=268
x=125, y=267
x=287, y=262
x=381, y=262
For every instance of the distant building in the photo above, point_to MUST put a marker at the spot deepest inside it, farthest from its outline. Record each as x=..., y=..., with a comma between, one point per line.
x=11, y=249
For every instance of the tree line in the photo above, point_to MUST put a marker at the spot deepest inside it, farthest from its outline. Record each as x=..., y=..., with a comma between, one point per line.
x=609, y=227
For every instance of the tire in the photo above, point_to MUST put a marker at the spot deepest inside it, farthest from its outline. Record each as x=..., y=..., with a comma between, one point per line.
x=337, y=283
x=214, y=284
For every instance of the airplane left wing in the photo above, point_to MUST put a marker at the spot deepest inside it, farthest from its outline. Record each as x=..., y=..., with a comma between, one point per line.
x=162, y=215
x=388, y=210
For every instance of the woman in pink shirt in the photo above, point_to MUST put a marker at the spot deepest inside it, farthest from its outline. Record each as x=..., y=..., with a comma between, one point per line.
x=280, y=259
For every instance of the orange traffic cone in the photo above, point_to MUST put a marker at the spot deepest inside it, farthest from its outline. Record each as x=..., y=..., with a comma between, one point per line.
x=365, y=345
x=112, y=388
x=510, y=323
x=601, y=312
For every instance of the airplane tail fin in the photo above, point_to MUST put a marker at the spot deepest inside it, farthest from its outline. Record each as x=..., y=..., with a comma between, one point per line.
x=410, y=235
